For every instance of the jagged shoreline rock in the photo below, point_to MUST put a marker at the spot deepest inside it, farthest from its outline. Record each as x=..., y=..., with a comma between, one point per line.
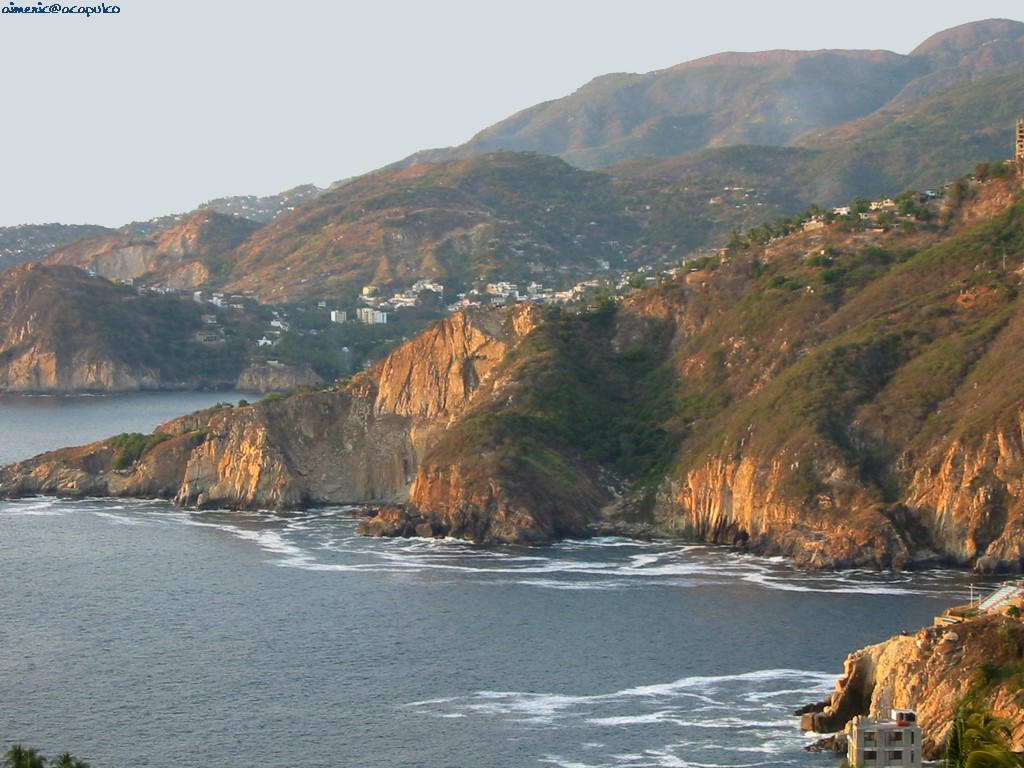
x=930, y=672
x=827, y=436
x=398, y=521
x=364, y=443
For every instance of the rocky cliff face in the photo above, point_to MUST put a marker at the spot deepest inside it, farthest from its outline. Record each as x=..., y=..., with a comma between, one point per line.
x=64, y=331
x=179, y=256
x=932, y=672
x=880, y=427
x=277, y=378
x=360, y=444
x=41, y=370
x=844, y=396
x=45, y=344
x=751, y=502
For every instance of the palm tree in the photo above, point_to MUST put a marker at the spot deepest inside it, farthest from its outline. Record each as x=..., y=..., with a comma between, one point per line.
x=979, y=740
x=23, y=757
x=67, y=760
x=26, y=757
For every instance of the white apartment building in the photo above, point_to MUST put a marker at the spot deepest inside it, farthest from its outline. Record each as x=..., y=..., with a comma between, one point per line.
x=371, y=316
x=877, y=743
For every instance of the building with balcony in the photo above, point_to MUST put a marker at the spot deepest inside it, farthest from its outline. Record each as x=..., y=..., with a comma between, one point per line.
x=878, y=743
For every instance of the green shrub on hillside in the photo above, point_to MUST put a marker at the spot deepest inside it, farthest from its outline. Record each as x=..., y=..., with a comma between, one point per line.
x=133, y=446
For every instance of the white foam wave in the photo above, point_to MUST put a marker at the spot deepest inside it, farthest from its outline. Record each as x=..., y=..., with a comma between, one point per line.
x=267, y=539
x=709, y=691
x=120, y=519
x=661, y=716
x=852, y=582
x=31, y=507
x=324, y=540
x=706, y=682
x=736, y=720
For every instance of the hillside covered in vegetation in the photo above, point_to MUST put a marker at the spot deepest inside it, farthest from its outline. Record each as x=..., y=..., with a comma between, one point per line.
x=62, y=330
x=835, y=124
x=843, y=395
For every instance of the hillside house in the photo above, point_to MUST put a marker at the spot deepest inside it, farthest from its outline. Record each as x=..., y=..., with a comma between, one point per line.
x=427, y=285
x=209, y=337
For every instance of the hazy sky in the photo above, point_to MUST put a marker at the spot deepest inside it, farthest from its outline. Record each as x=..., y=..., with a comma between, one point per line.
x=163, y=106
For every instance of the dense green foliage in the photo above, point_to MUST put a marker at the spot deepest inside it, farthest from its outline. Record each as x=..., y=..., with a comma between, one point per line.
x=608, y=406
x=19, y=756
x=582, y=398
x=978, y=740
x=130, y=447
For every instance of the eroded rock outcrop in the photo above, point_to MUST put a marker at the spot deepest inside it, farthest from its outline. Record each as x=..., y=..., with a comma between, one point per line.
x=970, y=491
x=931, y=672
x=751, y=502
x=842, y=397
x=277, y=377
x=363, y=443
x=179, y=256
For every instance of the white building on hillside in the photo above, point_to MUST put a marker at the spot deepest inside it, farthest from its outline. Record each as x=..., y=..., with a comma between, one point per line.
x=875, y=743
x=371, y=316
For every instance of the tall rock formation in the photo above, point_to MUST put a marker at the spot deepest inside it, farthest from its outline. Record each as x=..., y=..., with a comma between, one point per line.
x=932, y=672
x=360, y=444
x=843, y=395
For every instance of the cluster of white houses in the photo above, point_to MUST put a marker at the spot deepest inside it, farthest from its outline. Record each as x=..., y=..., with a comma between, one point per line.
x=499, y=293
x=376, y=307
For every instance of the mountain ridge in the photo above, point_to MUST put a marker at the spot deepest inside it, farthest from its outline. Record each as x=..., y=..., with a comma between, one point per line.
x=840, y=396
x=832, y=124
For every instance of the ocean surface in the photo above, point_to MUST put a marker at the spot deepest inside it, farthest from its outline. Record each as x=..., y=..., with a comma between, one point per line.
x=32, y=424
x=138, y=634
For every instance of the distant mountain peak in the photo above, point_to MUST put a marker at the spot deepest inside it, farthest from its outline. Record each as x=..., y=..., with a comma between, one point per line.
x=948, y=47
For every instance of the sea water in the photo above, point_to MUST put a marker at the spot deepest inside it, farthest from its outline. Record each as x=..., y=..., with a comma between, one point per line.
x=32, y=424
x=138, y=634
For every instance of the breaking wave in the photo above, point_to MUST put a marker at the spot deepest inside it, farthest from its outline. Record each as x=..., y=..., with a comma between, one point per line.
x=732, y=720
x=325, y=541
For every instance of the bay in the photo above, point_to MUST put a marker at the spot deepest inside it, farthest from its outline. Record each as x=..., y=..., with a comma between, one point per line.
x=134, y=633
